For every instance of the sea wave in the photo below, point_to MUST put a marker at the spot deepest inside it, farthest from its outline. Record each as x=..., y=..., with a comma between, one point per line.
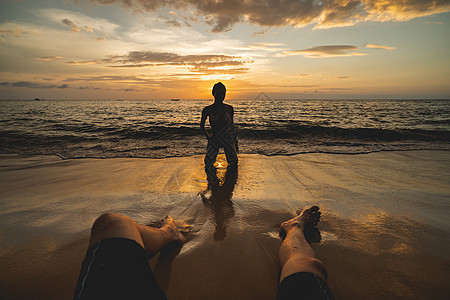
x=161, y=141
x=90, y=132
x=158, y=129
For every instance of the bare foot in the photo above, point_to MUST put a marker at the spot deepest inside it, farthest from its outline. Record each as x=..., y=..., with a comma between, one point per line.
x=306, y=220
x=174, y=234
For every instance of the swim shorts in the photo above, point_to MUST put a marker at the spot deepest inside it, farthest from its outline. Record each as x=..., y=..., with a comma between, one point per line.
x=117, y=268
x=303, y=285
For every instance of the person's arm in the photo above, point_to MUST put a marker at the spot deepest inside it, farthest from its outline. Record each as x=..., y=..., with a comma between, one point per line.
x=233, y=132
x=202, y=123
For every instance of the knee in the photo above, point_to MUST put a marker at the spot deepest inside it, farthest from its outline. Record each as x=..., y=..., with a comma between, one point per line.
x=109, y=221
x=299, y=263
x=319, y=267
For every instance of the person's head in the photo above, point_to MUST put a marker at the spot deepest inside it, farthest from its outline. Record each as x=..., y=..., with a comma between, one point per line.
x=219, y=91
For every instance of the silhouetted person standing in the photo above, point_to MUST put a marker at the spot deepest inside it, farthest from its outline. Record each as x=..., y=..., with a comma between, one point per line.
x=222, y=126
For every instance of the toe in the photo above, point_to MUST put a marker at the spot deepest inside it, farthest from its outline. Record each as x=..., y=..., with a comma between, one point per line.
x=316, y=215
x=311, y=211
x=167, y=219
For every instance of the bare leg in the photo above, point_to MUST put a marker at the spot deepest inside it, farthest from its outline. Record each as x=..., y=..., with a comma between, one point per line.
x=110, y=225
x=296, y=255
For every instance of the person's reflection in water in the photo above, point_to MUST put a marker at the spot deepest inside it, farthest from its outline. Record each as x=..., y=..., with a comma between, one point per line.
x=218, y=197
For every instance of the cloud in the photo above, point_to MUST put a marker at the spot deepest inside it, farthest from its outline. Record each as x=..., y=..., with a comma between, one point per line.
x=75, y=27
x=127, y=90
x=88, y=88
x=260, y=32
x=306, y=75
x=325, y=51
x=198, y=63
x=173, y=23
x=46, y=58
x=376, y=46
x=33, y=85
x=78, y=22
x=80, y=63
x=222, y=15
x=271, y=47
x=405, y=10
x=16, y=32
x=114, y=78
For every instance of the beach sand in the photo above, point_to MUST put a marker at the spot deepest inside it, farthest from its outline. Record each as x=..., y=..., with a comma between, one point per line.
x=385, y=225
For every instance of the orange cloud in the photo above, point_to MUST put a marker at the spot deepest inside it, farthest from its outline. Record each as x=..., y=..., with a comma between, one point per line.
x=48, y=58
x=376, y=46
x=222, y=15
x=405, y=10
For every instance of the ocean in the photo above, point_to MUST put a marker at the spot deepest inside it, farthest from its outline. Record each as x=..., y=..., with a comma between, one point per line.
x=165, y=128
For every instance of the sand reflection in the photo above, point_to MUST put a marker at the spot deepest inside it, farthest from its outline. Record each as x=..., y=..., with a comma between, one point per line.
x=217, y=197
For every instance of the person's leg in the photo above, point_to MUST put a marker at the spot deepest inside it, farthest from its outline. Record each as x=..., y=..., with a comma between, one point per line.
x=230, y=153
x=116, y=263
x=212, y=149
x=211, y=176
x=296, y=254
x=111, y=225
x=301, y=272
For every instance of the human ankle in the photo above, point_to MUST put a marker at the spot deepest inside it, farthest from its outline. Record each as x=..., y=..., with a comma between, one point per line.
x=295, y=228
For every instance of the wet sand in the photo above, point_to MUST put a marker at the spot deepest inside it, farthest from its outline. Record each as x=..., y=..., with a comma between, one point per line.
x=385, y=226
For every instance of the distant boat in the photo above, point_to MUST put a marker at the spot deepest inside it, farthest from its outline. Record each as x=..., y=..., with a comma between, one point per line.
x=37, y=99
x=175, y=99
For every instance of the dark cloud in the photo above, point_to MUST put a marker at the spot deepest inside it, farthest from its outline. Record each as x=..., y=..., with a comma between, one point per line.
x=33, y=85
x=223, y=14
x=173, y=23
x=67, y=22
x=88, y=88
x=260, y=32
x=75, y=27
x=127, y=90
x=202, y=63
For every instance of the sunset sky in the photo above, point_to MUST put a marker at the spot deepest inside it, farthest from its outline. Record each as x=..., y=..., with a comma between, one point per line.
x=142, y=49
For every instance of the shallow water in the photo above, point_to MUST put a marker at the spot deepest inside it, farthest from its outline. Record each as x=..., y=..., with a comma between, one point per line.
x=385, y=227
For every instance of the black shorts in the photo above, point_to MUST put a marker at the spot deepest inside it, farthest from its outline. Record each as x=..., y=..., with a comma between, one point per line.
x=304, y=285
x=117, y=268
